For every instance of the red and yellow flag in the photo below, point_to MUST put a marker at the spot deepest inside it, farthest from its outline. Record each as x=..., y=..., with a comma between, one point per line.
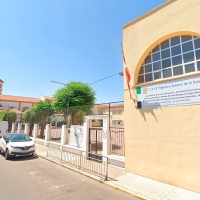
x=128, y=75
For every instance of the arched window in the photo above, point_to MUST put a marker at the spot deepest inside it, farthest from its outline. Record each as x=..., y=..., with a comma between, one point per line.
x=174, y=57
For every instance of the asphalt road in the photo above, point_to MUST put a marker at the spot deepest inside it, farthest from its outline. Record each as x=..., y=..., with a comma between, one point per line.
x=34, y=178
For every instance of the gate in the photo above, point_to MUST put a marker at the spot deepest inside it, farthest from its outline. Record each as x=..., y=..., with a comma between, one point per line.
x=95, y=143
x=117, y=141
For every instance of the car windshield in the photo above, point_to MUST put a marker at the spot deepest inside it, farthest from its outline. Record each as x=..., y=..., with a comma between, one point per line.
x=19, y=138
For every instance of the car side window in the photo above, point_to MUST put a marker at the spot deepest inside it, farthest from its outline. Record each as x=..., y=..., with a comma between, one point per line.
x=8, y=137
x=5, y=137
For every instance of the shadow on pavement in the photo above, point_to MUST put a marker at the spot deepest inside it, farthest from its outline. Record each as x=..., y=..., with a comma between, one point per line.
x=22, y=158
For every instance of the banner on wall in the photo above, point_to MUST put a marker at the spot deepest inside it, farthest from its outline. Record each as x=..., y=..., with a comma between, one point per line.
x=173, y=93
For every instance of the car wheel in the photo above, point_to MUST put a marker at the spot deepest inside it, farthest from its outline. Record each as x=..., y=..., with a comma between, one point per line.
x=7, y=156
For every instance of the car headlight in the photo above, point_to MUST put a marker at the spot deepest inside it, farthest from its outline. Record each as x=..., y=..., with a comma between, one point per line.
x=13, y=147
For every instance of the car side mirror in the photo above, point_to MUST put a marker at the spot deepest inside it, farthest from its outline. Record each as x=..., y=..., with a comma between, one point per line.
x=6, y=141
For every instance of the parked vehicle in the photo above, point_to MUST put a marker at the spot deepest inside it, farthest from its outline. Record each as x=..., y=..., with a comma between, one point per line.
x=3, y=127
x=16, y=144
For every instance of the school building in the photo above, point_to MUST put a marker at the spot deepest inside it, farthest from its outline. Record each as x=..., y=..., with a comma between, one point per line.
x=162, y=121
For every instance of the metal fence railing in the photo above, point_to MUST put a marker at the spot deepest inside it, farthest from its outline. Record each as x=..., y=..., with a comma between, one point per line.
x=96, y=140
x=80, y=160
x=76, y=116
x=117, y=141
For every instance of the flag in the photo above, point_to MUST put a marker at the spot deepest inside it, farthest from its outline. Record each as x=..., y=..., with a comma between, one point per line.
x=128, y=75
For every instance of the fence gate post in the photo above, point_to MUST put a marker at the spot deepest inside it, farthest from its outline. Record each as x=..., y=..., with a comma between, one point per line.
x=19, y=128
x=27, y=128
x=64, y=135
x=13, y=127
x=35, y=131
x=106, y=136
x=47, y=134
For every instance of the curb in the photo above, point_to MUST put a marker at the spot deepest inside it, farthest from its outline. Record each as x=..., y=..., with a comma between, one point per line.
x=126, y=191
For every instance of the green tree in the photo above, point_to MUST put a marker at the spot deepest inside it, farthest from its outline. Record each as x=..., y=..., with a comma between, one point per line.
x=39, y=114
x=80, y=117
x=29, y=116
x=76, y=96
x=8, y=115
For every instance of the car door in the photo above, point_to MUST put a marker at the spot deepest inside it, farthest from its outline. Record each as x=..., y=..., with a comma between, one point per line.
x=3, y=142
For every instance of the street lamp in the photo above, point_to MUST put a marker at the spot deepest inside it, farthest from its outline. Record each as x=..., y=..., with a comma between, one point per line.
x=53, y=81
x=57, y=82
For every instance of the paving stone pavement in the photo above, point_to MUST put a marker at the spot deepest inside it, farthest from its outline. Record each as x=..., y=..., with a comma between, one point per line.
x=152, y=189
x=140, y=186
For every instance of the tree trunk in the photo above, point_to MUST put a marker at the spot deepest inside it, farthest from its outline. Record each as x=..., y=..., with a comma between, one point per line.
x=31, y=130
x=72, y=120
x=42, y=131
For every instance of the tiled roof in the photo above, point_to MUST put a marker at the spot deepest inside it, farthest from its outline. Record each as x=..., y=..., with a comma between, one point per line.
x=49, y=98
x=1, y=81
x=114, y=106
x=18, y=98
x=18, y=112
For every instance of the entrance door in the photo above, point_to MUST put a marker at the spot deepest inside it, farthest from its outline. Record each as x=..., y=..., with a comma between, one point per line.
x=95, y=143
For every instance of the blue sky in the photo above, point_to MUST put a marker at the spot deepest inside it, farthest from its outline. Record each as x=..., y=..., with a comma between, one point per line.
x=64, y=40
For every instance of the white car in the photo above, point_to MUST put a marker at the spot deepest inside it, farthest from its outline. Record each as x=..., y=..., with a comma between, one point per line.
x=16, y=144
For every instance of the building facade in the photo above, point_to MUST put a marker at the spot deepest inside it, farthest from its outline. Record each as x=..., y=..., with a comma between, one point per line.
x=20, y=104
x=116, y=115
x=162, y=132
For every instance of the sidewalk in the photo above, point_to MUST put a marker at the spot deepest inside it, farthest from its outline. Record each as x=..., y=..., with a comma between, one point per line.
x=139, y=186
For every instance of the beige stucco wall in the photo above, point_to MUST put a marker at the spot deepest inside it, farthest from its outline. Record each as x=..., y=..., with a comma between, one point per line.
x=117, y=116
x=161, y=143
x=29, y=105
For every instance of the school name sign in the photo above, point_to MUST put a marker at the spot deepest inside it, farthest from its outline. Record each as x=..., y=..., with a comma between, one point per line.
x=173, y=93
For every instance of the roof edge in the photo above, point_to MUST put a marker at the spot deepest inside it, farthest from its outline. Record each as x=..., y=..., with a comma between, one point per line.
x=19, y=96
x=168, y=2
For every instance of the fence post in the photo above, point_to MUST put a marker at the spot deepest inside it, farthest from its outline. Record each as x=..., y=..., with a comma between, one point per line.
x=35, y=131
x=64, y=135
x=47, y=150
x=61, y=150
x=47, y=134
x=13, y=127
x=106, y=136
x=86, y=127
x=27, y=128
x=19, y=128
x=106, y=176
x=80, y=160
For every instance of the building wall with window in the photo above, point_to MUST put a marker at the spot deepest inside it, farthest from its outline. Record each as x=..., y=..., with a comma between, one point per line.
x=116, y=115
x=162, y=51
